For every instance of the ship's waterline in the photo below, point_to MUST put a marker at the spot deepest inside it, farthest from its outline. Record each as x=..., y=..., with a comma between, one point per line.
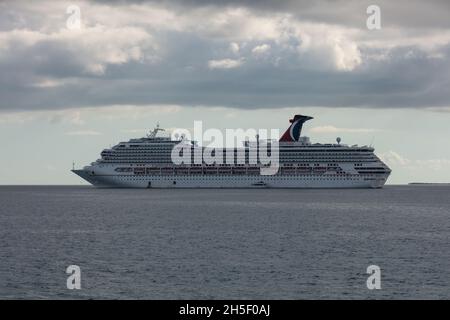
x=291, y=162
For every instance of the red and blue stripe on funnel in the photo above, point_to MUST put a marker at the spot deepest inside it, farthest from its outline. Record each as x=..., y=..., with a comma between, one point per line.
x=295, y=129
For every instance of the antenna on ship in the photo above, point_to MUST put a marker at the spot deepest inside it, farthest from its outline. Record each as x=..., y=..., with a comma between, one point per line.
x=338, y=140
x=155, y=131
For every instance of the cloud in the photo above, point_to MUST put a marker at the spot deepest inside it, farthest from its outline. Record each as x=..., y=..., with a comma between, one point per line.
x=401, y=13
x=234, y=47
x=89, y=50
x=162, y=53
x=392, y=158
x=261, y=49
x=225, y=63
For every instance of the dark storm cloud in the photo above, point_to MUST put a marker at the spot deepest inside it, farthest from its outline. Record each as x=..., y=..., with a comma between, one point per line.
x=407, y=13
x=418, y=82
x=54, y=70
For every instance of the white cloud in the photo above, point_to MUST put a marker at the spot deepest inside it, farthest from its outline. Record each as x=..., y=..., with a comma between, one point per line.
x=234, y=47
x=328, y=47
x=393, y=158
x=234, y=24
x=93, y=48
x=225, y=63
x=127, y=34
x=261, y=49
x=111, y=36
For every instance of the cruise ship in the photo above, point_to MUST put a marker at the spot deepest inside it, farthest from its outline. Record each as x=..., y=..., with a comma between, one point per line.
x=148, y=163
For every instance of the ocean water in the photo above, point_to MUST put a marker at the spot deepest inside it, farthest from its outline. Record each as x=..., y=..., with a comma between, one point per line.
x=224, y=244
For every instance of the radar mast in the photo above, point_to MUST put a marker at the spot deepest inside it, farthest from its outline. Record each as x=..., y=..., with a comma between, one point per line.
x=153, y=134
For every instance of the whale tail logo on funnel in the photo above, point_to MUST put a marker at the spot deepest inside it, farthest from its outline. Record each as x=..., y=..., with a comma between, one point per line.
x=295, y=129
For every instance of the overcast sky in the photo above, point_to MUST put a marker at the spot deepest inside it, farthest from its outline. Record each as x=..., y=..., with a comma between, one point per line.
x=66, y=91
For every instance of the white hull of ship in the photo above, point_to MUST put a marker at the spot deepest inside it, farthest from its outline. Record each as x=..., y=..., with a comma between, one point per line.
x=234, y=181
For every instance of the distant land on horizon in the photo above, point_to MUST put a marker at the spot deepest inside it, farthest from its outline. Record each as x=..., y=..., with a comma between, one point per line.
x=433, y=183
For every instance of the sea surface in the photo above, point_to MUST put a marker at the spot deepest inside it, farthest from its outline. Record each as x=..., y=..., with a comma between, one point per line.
x=224, y=244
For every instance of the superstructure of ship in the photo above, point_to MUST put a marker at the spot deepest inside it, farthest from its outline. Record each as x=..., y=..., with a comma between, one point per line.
x=147, y=163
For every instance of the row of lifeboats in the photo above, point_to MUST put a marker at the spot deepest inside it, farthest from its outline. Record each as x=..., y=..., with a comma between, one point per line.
x=229, y=170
